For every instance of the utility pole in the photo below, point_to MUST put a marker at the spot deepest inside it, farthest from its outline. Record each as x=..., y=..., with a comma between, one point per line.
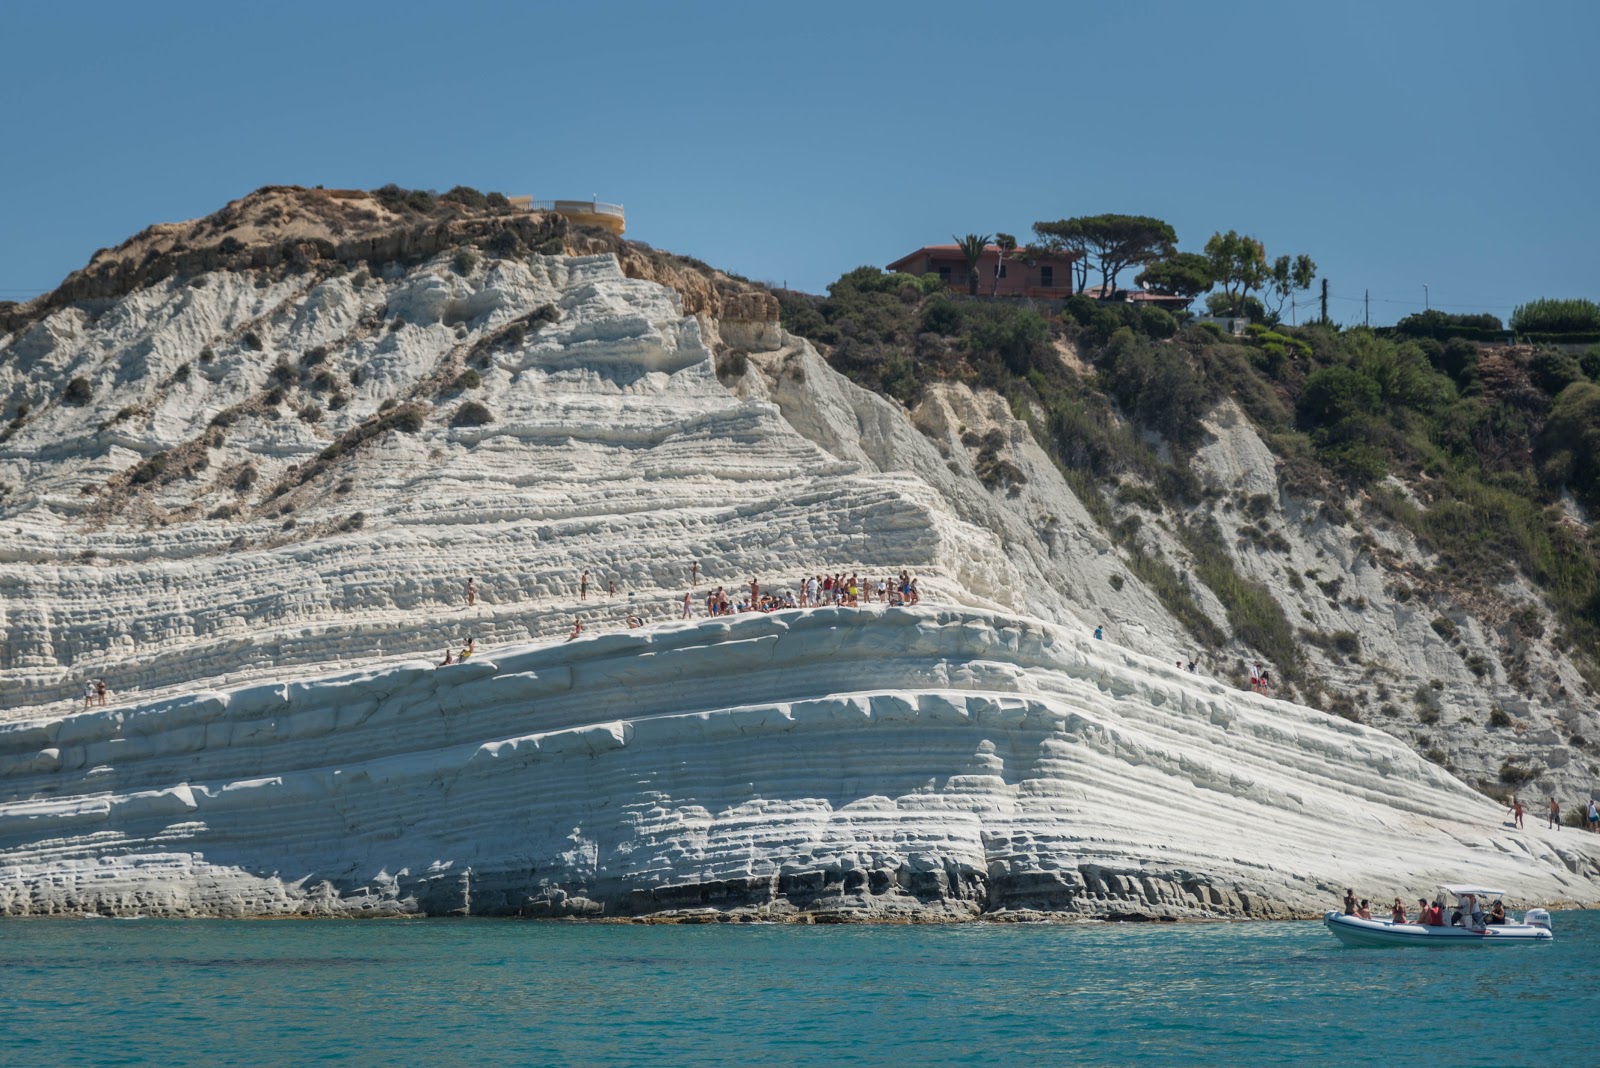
x=1292, y=311
x=1425, y=305
x=1366, y=307
x=1324, y=300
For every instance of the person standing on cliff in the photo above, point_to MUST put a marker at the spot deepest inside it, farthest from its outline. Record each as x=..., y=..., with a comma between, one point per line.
x=694, y=572
x=88, y=692
x=583, y=587
x=100, y=693
x=1516, y=811
x=472, y=592
x=688, y=605
x=611, y=587
x=1555, y=814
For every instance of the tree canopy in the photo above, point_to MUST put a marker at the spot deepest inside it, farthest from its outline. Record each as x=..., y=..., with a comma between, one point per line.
x=1238, y=264
x=1183, y=274
x=1290, y=276
x=1112, y=241
x=1557, y=317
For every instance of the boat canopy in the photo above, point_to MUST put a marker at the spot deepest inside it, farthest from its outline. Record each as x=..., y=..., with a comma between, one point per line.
x=1472, y=888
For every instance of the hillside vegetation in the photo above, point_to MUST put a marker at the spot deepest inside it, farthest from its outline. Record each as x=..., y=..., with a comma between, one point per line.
x=1489, y=457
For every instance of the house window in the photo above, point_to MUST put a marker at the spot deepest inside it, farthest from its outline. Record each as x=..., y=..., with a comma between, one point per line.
x=944, y=275
x=1002, y=270
x=1047, y=277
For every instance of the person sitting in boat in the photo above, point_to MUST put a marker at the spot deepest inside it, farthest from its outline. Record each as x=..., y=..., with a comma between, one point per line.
x=1397, y=912
x=1429, y=915
x=1365, y=911
x=1497, y=914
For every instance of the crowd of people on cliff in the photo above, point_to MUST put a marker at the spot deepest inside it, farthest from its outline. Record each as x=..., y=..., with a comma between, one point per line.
x=811, y=591
x=814, y=591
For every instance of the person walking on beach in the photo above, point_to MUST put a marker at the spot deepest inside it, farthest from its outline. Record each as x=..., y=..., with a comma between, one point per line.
x=688, y=605
x=1555, y=814
x=472, y=592
x=1517, y=811
x=583, y=586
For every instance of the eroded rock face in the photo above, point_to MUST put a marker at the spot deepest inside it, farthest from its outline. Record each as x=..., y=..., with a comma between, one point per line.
x=265, y=499
x=831, y=764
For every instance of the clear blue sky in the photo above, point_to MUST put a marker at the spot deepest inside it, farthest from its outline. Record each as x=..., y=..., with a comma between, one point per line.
x=1452, y=144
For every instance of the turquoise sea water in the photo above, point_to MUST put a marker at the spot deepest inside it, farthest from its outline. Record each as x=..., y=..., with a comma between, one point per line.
x=490, y=992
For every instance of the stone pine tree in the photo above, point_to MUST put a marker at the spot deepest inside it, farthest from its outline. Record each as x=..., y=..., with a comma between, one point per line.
x=1114, y=242
x=972, y=247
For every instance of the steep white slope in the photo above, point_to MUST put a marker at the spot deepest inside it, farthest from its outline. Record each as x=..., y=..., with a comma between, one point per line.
x=257, y=598
x=870, y=763
x=612, y=448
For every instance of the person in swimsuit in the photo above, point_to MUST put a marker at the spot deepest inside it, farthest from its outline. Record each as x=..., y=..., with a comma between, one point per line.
x=577, y=627
x=583, y=586
x=1349, y=902
x=1364, y=911
x=472, y=592
x=1397, y=912
x=449, y=658
x=688, y=605
x=1497, y=914
x=100, y=699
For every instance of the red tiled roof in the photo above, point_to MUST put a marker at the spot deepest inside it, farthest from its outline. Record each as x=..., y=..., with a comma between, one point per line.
x=954, y=251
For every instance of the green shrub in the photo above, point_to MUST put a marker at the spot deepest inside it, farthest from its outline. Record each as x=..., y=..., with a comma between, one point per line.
x=942, y=317
x=150, y=469
x=468, y=379
x=1156, y=323
x=1498, y=718
x=464, y=261
x=1514, y=774
x=1444, y=628
x=466, y=196
x=1553, y=371
x=471, y=413
x=77, y=391
x=251, y=340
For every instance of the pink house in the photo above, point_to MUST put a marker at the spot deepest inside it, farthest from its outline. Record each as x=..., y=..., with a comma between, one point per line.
x=1020, y=273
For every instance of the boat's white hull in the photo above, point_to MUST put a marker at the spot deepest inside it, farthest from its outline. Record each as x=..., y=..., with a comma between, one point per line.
x=1353, y=931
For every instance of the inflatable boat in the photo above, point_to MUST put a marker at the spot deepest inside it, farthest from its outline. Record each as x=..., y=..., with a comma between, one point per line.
x=1471, y=930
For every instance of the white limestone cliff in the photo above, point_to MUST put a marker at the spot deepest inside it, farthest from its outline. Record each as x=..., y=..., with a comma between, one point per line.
x=230, y=531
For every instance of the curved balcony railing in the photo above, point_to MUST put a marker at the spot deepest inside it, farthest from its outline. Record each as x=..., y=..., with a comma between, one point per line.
x=572, y=207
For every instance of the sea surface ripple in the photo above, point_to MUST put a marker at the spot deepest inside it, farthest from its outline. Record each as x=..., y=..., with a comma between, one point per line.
x=106, y=992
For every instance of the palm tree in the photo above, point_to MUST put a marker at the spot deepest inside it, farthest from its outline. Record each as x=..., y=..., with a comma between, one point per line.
x=972, y=247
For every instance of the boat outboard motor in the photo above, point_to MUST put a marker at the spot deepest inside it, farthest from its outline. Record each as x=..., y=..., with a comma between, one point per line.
x=1537, y=918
